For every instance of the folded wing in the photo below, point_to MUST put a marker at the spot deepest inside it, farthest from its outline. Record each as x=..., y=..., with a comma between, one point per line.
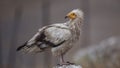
x=47, y=37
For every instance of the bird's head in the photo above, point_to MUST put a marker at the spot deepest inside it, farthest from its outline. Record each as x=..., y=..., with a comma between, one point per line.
x=76, y=13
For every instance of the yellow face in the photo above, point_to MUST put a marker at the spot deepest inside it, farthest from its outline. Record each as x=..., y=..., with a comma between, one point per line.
x=71, y=15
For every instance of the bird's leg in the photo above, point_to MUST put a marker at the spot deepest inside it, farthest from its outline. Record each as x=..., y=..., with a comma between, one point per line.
x=62, y=61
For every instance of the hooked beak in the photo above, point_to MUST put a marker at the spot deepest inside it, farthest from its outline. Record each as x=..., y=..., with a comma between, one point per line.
x=71, y=15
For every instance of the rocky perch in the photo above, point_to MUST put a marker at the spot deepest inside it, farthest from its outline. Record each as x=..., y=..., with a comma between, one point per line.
x=68, y=66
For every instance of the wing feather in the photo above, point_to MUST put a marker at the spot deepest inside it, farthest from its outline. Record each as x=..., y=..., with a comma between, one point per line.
x=48, y=36
x=57, y=34
x=33, y=42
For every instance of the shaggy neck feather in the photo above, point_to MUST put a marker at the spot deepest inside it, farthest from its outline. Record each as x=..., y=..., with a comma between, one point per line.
x=75, y=26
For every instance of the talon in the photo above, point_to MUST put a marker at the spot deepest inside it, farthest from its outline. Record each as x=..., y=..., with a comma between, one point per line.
x=67, y=62
x=58, y=65
x=70, y=63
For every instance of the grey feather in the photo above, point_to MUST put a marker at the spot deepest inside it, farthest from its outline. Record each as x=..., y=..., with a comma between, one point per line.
x=57, y=37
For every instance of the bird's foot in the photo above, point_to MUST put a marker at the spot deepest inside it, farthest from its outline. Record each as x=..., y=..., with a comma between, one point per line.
x=66, y=63
x=70, y=63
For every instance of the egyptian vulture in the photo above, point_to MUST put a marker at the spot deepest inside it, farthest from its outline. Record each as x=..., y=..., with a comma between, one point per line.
x=59, y=38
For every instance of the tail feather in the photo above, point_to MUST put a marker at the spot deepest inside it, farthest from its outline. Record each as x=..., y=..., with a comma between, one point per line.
x=28, y=49
x=21, y=47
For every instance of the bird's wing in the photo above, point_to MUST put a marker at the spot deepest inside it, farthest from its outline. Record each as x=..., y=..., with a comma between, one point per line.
x=48, y=36
x=57, y=34
x=38, y=35
x=33, y=41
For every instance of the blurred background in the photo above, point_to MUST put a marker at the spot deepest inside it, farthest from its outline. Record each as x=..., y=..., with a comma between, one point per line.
x=99, y=45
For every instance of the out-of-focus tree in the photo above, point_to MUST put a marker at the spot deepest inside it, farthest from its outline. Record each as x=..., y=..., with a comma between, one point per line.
x=12, y=51
x=104, y=55
x=0, y=49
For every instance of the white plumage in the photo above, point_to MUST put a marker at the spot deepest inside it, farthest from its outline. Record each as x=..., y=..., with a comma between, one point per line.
x=57, y=37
